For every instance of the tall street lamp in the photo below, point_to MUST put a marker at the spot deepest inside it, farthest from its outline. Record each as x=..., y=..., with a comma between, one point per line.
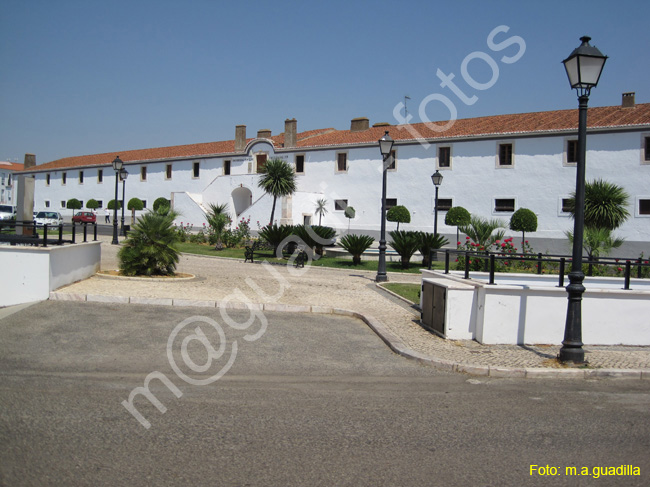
x=436, y=177
x=117, y=167
x=123, y=175
x=385, y=147
x=583, y=67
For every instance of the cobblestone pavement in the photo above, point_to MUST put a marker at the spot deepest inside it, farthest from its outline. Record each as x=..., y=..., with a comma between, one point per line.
x=230, y=280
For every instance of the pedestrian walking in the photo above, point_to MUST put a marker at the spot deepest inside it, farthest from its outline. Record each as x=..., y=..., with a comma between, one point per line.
x=107, y=216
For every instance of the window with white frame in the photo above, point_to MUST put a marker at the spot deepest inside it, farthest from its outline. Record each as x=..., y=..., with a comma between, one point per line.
x=196, y=168
x=168, y=171
x=300, y=163
x=571, y=152
x=504, y=205
x=643, y=206
x=645, y=149
x=47, y=203
x=81, y=177
x=64, y=178
x=444, y=204
x=62, y=203
x=444, y=157
x=340, y=205
x=100, y=176
x=143, y=173
x=226, y=168
x=505, y=154
x=341, y=162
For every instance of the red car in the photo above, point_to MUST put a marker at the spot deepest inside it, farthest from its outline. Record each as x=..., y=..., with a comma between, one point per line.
x=84, y=217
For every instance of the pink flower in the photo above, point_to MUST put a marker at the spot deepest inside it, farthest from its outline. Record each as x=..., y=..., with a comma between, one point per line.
x=458, y=243
x=497, y=242
x=619, y=269
x=503, y=245
x=466, y=238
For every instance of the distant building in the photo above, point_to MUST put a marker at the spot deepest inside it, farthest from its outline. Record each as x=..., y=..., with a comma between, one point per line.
x=491, y=166
x=7, y=182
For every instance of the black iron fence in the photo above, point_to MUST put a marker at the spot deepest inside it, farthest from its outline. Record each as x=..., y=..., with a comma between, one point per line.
x=489, y=262
x=27, y=232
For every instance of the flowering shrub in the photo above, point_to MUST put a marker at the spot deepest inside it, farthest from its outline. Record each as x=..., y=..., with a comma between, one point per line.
x=503, y=248
x=237, y=236
x=183, y=231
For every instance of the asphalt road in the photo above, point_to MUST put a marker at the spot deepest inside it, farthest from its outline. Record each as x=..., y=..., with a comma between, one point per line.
x=295, y=400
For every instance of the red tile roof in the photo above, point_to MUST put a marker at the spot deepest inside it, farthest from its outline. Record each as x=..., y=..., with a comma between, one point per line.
x=495, y=125
x=11, y=166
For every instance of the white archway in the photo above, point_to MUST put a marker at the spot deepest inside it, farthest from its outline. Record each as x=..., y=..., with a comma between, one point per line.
x=242, y=198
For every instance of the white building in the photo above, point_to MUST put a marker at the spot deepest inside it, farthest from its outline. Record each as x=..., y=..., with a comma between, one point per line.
x=491, y=166
x=7, y=183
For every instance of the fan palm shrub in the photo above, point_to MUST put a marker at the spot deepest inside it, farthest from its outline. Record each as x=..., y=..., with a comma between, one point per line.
x=150, y=248
x=598, y=242
x=275, y=234
x=315, y=236
x=429, y=242
x=605, y=205
x=277, y=179
x=356, y=245
x=218, y=220
x=482, y=231
x=405, y=244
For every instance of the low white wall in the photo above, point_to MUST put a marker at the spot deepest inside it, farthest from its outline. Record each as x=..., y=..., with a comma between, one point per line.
x=30, y=273
x=526, y=313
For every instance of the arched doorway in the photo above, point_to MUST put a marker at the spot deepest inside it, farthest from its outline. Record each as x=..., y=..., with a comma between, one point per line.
x=242, y=198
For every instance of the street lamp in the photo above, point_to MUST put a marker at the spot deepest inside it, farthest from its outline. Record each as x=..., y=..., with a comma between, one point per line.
x=436, y=177
x=123, y=175
x=385, y=147
x=583, y=68
x=117, y=167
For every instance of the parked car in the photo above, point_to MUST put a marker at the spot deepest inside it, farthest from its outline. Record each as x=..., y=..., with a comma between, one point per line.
x=48, y=218
x=7, y=212
x=84, y=217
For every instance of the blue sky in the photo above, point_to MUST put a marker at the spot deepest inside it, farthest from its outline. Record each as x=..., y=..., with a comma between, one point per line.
x=86, y=76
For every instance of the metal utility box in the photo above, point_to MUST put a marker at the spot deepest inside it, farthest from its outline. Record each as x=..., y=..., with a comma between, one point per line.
x=434, y=304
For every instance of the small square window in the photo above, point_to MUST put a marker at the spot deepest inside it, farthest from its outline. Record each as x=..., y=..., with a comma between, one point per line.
x=390, y=202
x=100, y=175
x=143, y=173
x=341, y=162
x=62, y=203
x=300, y=164
x=444, y=157
x=100, y=203
x=644, y=206
x=567, y=207
x=196, y=168
x=340, y=205
x=144, y=203
x=505, y=155
x=226, y=168
x=504, y=205
x=444, y=204
x=168, y=171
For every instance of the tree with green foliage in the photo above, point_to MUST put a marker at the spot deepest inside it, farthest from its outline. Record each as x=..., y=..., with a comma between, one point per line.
x=523, y=220
x=160, y=203
x=321, y=209
x=275, y=234
x=111, y=205
x=605, y=205
x=134, y=204
x=457, y=216
x=73, y=204
x=405, y=244
x=315, y=236
x=92, y=204
x=598, y=242
x=150, y=248
x=349, y=213
x=399, y=214
x=482, y=231
x=277, y=179
x=218, y=220
x=356, y=245
x=429, y=242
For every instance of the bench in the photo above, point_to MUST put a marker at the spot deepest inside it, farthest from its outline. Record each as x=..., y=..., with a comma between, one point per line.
x=249, y=252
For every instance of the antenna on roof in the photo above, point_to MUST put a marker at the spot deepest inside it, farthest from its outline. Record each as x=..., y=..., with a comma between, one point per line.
x=406, y=112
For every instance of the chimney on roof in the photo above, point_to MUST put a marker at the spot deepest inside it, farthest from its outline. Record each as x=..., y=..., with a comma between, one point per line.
x=264, y=134
x=240, y=138
x=359, y=124
x=290, y=128
x=30, y=160
x=381, y=124
x=628, y=100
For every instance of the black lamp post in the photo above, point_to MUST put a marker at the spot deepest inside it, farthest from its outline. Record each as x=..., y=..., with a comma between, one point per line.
x=123, y=175
x=583, y=67
x=436, y=177
x=385, y=147
x=117, y=167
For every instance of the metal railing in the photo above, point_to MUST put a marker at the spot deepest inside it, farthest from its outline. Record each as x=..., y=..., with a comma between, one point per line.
x=488, y=263
x=50, y=234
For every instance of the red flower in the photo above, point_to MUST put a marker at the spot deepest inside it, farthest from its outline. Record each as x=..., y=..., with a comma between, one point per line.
x=503, y=245
x=619, y=269
x=458, y=243
x=466, y=238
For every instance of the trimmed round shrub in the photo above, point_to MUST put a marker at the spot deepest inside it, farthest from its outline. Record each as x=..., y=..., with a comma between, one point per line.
x=399, y=214
x=160, y=203
x=73, y=204
x=92, y=204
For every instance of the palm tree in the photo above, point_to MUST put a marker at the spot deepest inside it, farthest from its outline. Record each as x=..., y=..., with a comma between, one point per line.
x=218, y=219
x=405, y=244
x=321, y=209
x=356, y=245
x=150, y=248
x=480, y=230
x=428, y=243
x=277, y=179
x=598, y=242
x=605, y=205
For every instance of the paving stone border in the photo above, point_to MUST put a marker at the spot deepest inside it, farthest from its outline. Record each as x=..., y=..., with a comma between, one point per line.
x=388, y=337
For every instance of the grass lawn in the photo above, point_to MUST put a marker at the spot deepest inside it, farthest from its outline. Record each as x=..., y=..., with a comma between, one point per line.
x=338, y=263
x=408, y=291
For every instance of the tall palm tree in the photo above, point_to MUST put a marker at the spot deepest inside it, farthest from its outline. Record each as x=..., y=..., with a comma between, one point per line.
x=321, y=209
x=605, y=205
x=277, y=179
